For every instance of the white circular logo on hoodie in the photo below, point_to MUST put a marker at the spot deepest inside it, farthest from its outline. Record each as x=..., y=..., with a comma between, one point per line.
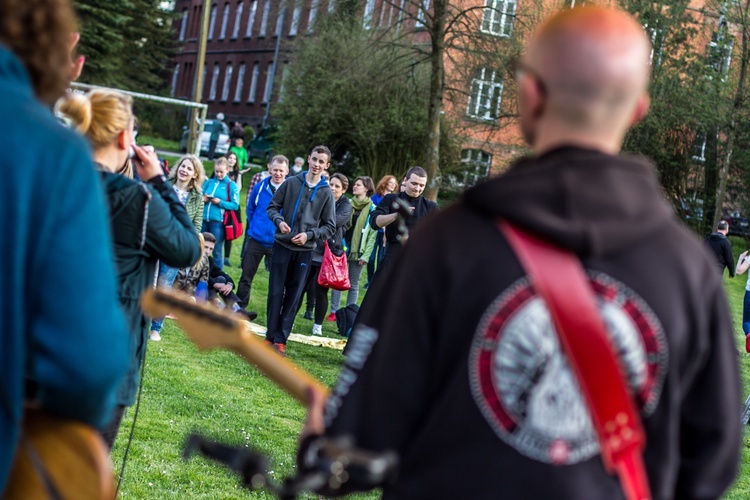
x=523, y=383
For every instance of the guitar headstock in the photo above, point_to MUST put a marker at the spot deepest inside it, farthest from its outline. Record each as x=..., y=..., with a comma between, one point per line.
x=207, y=326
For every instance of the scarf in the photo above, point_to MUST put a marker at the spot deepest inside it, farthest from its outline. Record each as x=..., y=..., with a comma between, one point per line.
x=363, y=207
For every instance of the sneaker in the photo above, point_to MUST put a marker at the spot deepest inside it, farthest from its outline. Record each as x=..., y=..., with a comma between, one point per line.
x=280, y=348
x=155, y=336
x=248, y=315
x=317, y=329
x=308, y=315
x=747, y=343
x=331, y=317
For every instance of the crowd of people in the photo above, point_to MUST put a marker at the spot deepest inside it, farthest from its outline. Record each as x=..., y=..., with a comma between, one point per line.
x=456, y=362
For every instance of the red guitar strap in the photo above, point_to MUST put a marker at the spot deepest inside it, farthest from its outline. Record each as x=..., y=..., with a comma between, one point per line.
x=559, y=278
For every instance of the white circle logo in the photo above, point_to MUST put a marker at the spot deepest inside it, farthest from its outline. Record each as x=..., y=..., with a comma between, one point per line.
x=522, y=380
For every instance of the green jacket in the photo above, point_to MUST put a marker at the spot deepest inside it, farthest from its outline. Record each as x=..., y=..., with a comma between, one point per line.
x=148, y=224
x=241, y=156
x=194, y=208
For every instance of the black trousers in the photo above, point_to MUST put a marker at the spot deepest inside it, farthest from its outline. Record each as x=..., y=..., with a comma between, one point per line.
x=252, y=253
x=289, y=270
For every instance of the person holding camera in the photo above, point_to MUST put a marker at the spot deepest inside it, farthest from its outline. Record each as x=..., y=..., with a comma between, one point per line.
x=147, y=220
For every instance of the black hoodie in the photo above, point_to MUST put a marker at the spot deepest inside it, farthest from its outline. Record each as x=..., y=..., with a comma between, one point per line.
x=722, y=250
x=454, y=363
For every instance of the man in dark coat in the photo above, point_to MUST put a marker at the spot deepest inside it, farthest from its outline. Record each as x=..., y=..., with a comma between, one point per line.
x=721, y=248
x=455, y=363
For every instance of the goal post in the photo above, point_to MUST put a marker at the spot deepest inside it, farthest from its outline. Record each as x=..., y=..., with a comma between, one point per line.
x=197, y=115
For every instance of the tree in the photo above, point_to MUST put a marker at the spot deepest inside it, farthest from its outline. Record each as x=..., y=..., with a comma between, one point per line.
x=127, y=43
x=362, y=97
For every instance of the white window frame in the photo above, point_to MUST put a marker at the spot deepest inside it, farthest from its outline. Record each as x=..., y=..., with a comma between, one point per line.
x=499, y=17
x=296, y=14
x=212, y=22
x=214, y=82
x=284, y=76
x=485, y=89
x=368, y=14
x=698, y=135
x=478, y=164
x=264, y=19
x=237, y=21
x=313, y=15
x=422, y=9
x=227, y=82
x=254, y=83
x=251, y=18
x=240, y=83
x=183, y=24
x=269, y=83
x=224, y=22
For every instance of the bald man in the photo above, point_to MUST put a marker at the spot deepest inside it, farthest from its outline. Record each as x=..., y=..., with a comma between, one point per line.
x=456, y=365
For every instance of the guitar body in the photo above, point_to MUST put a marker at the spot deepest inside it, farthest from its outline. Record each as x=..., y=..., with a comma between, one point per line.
x=72, y=455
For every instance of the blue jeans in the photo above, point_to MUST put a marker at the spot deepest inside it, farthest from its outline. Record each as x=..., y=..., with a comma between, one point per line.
x=166, y=279
x=216, y=228
x=746, y=314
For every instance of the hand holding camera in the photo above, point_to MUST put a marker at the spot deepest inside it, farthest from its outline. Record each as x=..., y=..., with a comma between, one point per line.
x=145, y=162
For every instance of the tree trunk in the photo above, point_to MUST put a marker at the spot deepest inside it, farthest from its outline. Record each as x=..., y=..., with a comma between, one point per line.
x=437, y=88
x=736, y=108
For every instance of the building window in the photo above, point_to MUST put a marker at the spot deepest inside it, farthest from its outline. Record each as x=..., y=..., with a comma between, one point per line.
x=227, y=82
x=401, y=7
x=183, y=24
x=205, y=84
x=331, y=6
x=476, y=165
x=720, y=50
x=699, y=146
x=251, y=18
x=269, y=83
x=224, y=22
x=264, y=19
x=253, y=83
x=175, y=76
x=294, y=27
x=214, y=82
x=212, y=23
x=313, y=14
x=284, y=76
x=240, y=83
x=486, y=94
x=498, y=17
x=237, y=19
x=422, y=9
x=369, y=11
x=279, y=22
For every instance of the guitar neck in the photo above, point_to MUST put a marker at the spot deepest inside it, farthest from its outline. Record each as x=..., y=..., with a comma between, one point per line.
x=211, y=328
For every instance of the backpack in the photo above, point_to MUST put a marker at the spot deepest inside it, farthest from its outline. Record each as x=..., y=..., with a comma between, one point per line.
x=345, y=319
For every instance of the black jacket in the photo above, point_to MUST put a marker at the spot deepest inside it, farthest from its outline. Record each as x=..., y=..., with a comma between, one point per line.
x=422, y=207
x=722, y=250
x=148, y=224
x=455, y=365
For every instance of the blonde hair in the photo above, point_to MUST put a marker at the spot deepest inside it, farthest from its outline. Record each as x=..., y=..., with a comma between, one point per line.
x=199, y=262
x=100, y=114
x=196, y=182
x=222, y=161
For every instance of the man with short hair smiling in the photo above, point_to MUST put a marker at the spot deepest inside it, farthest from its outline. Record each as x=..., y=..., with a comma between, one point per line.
x=384, y=214
x=303, y=212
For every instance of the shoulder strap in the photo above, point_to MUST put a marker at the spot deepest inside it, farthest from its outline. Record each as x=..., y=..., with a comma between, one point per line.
x=560, y=279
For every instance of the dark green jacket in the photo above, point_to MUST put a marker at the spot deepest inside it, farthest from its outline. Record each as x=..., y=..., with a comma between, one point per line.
x=148, y=224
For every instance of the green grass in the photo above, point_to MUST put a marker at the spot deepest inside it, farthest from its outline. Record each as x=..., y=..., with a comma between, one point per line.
x=218, y=394
x=159, y=143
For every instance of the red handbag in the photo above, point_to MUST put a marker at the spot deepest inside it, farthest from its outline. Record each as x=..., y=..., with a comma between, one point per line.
x=232, y=222
x=560, y=280
x=334, y=271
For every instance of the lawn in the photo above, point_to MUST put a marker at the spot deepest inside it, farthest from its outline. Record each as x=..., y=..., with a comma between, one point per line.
x=221, y=396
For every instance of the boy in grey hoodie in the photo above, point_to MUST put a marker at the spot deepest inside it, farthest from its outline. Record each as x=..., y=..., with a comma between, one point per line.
x=302, y=211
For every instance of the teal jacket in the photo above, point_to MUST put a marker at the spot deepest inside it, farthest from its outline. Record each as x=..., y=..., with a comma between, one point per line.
x=61, y=323
x=218, y=188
